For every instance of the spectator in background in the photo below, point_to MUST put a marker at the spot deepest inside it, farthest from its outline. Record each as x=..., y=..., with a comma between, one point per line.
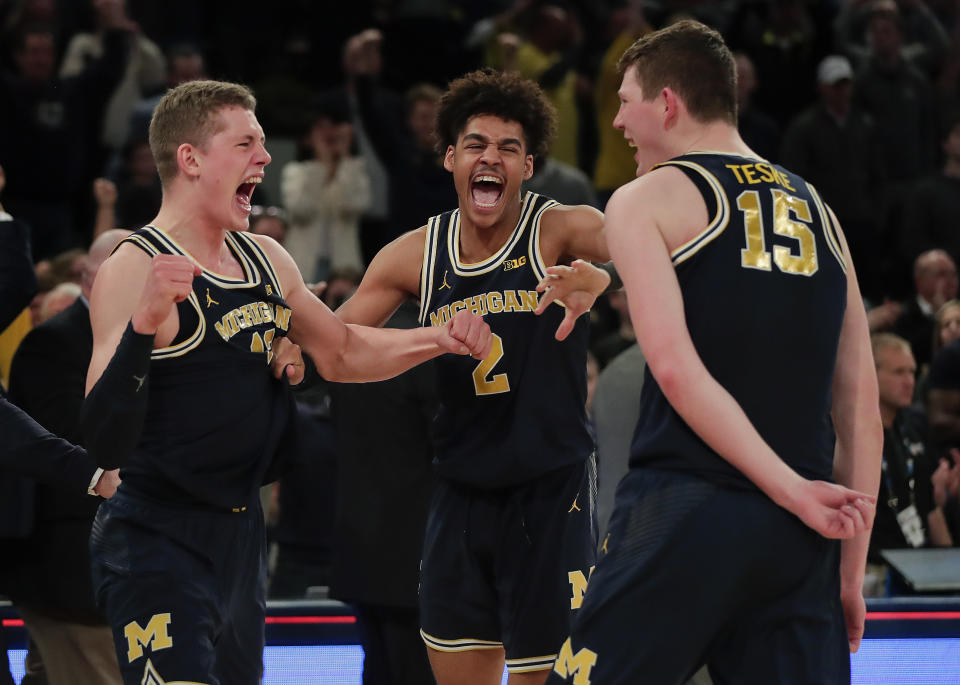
x=833, y=145
x=325, y=196
x=144, y=75
x=384, y=473
x=417, y=181
x=618, y=340
x=946, y=329
x=900, y=99
x=615, y=164
x=932, y=212
x=270, y=221
x=906, y=516
x=559, y=181
x=44, y=133
x=935, y=282
x=924, y=43
x=61, y=297
x=54, y=591
x=185, y=62
x=756, y=128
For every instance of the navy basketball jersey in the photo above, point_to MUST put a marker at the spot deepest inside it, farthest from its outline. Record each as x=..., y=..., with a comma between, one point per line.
x=520, y=412
x=764, y=291
x=215, y=412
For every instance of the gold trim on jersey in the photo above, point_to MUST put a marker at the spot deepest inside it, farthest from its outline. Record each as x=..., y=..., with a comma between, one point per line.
x=492, y=262
x=534, y=663
x=260, y=254
x=829, y=230
x=190, y=343
x=142, y=243
x=251, y=273
x=536, y=257
x=426, y=268
x=464, y=645
x=716, y=225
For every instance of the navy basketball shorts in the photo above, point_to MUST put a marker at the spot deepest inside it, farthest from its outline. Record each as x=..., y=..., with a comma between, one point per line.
x=505, y=568
x=694, y=573
x=183, y=590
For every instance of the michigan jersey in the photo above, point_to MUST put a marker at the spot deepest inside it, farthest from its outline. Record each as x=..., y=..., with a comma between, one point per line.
x=216, y=414
x=764, y=291
x=520, y=412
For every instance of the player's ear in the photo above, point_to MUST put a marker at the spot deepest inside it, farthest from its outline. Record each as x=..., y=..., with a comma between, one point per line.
x=448, y=159
x=187, y=160
x=527, y=167
x=671, y=107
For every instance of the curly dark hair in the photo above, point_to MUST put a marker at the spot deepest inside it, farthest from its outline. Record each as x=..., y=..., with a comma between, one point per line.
x=501, y=94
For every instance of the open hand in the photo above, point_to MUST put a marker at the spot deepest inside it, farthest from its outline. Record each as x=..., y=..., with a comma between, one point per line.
x=576, y=287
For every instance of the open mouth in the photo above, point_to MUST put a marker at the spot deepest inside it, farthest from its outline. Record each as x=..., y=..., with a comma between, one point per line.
x=486, y=190
x=245, y=191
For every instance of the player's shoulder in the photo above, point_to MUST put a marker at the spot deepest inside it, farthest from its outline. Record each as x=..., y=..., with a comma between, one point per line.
x=559, y=216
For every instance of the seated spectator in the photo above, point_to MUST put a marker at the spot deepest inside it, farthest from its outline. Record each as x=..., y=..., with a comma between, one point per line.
x=946, y=329
x=58, y=299
x=935, y=282
x=906, y=515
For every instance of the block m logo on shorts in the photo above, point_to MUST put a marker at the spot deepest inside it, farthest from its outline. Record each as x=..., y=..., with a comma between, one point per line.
x=578, y=585
x=577, y=665
x=154, y=636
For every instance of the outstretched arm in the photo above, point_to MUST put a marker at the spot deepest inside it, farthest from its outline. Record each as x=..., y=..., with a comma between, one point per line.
x=642, y=257
x=351, y=353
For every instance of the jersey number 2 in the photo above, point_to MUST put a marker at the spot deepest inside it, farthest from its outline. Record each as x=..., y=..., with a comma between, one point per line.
x=786, y=208
x=496, y=384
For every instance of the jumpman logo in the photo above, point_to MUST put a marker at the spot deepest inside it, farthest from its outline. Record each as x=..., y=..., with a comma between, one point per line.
x=574, y=505
x=445, y=284
x=210, y=300
x=140, y=380
x=603, y=547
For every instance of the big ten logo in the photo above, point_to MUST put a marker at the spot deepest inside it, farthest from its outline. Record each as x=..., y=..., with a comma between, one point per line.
x=511, y=264
x=577, y=665
x=578, y=585
x=155, y=636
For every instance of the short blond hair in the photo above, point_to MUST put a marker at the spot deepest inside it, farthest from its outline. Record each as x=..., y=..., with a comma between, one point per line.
x=190, y=113
x=883, y=341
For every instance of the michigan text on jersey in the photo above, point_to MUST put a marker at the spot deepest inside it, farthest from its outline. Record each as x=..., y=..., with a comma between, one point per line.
x=495, y=302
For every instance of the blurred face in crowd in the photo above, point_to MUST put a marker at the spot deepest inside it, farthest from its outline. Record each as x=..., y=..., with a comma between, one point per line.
x=884, y=36
x=935, y=275
x=37, y=58
x=272, y=226
x=949, y=324
x=896, y=371
x=421, y=120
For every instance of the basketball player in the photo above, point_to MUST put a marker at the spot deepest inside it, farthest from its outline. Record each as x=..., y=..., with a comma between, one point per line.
x=722, y=546
x=510, y=534
x=187, y=315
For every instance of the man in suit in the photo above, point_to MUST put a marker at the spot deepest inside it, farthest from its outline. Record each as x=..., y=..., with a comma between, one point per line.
x=53, y=592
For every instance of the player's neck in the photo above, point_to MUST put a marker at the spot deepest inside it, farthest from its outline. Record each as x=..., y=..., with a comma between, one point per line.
x=194, y=229
x=479, y=241
x=717, y=136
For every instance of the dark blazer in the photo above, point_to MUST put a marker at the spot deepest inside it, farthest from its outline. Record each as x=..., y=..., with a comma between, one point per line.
x=47, y=380
x=18, y=282
x=917, y=328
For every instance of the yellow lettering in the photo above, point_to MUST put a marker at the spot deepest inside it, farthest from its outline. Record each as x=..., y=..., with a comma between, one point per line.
x=735, y=168
x=282, y=317
x=578, y=665
x=494, y=302
x=784, y=181
x=456, y=307
x=748, y=173
x=528, y=300
x=266, y=314
x=767, y=173
x=578, y=582
x=511, y=302
x=246, y=311
x=154, y=636
x=477, y=305
x=440, y=316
